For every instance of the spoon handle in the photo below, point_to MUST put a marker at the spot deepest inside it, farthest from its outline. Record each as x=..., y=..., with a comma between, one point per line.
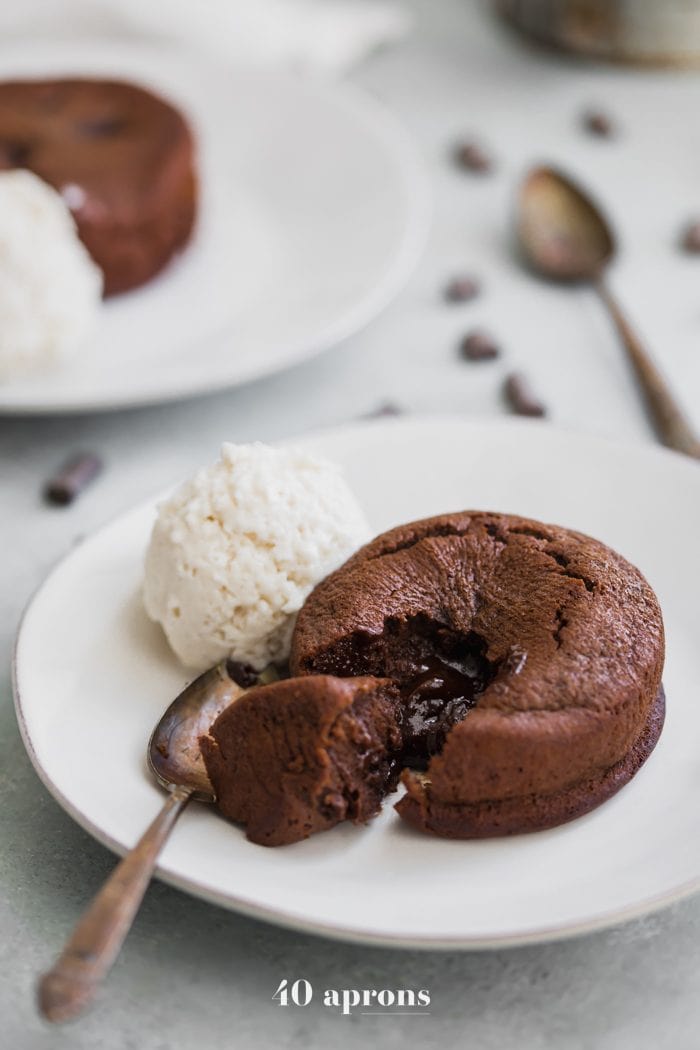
x=70, y=985
x=670, y=422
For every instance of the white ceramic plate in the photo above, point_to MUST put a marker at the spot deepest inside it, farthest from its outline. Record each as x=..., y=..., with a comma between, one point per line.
x=313, y=214
x=93, y=675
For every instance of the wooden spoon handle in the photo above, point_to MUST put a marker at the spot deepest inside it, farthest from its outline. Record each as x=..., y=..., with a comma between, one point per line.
x=669, y=420
x=70, y=985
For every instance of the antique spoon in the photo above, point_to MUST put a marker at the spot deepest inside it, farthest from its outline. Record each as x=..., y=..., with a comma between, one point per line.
x=174, y=758
x=564, y=237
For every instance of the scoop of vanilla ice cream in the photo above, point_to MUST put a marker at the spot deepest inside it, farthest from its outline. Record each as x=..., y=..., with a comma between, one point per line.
x=50, y=289
x=236, y=550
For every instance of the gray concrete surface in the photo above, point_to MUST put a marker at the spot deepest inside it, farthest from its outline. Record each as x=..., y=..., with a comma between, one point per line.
x=194, y=977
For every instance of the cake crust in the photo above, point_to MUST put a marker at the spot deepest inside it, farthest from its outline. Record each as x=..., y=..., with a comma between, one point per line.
x=512, y=816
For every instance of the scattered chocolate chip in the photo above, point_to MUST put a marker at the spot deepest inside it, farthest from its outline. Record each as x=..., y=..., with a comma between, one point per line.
x=385, y=409
x=479, y=346
x=690, y=241
x=74, y=476
x=598, y=123
x=472, y=157
x=520, y=396
x=462, y=289
x=242, y=674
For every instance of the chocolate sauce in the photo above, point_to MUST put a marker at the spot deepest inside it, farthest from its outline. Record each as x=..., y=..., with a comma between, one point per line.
x=439, y=694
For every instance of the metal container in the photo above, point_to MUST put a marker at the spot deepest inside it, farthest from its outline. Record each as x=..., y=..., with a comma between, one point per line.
x=648, y=32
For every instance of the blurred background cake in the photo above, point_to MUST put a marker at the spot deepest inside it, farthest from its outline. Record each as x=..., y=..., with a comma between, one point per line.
x=122, y=159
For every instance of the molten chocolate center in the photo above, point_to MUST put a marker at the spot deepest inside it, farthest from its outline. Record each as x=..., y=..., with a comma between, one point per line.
x=440, y=674
x=437, y=696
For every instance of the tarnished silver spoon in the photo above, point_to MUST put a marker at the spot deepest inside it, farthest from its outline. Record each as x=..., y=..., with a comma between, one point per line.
x=175, y=759
x=564, y=237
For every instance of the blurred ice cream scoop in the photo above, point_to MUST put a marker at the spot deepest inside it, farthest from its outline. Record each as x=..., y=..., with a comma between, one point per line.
x=50, y=289
x=236, y=550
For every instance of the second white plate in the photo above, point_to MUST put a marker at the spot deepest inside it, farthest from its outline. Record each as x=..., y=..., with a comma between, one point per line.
x=93, y=676
x=313, y=213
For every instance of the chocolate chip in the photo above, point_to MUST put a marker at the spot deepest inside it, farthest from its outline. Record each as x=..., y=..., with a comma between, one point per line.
x=384, y=410
x=242, y=674
x=479, y=346
x=470, y=156
x=598, y=123
x=73, y=477
x=690, y=241
x=462, y=289
x=520, y=397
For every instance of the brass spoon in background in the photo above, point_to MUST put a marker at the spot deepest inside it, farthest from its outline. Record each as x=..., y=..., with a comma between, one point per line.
x=175, y=760
x=564, y=237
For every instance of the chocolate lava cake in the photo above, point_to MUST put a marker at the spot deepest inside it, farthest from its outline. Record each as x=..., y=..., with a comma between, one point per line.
x=122, y=158
x=511, y=670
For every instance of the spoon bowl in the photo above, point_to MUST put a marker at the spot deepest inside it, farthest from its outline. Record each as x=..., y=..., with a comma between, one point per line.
x=562, y=235
x=173, y=754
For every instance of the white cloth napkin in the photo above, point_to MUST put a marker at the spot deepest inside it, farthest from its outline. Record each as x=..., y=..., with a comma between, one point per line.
x=325, y=36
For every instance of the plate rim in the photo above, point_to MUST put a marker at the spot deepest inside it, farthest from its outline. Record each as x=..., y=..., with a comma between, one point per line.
x=289, y=920
x=412, y=173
